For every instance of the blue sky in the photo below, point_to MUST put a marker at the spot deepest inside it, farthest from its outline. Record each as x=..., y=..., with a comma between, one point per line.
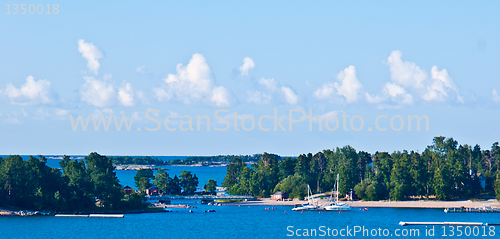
x=438, y=59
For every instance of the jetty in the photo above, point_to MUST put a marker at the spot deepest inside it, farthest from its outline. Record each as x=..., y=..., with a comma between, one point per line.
x=443, y=223
x=201, y=197
x=465, y=209
x=90, y=215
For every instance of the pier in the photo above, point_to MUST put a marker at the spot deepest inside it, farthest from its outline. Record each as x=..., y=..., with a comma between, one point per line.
x=442, y=223
x=196, y=197
x=465, y=209
x=90, y=215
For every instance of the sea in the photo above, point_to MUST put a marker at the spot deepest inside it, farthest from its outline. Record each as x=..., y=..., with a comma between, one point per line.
x=244, y=221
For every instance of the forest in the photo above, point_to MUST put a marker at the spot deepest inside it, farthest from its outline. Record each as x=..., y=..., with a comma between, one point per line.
x=190, y=160
x=444, y=170
x=88, y=185
x=185, y=184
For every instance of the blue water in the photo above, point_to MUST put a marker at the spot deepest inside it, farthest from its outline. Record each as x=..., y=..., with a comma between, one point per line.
x=203, y=173
x=231, y=221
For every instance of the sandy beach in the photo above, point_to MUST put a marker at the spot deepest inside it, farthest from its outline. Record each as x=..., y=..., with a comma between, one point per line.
x=398, y=204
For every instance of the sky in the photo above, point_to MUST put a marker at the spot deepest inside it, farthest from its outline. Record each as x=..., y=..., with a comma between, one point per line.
x=172, y=64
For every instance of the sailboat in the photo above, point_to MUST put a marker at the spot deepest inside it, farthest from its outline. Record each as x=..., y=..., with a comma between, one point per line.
x=335, y=205
x=310, y=205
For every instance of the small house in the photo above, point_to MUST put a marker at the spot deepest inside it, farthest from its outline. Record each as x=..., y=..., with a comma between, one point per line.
x=278, y=196
x=152, y=191
x=128, y=190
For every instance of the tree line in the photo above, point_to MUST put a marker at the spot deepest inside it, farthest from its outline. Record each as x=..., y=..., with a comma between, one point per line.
x=190, y=160
x=444, y=169
x=79, y=186
x=185, y=184
x=140, y=160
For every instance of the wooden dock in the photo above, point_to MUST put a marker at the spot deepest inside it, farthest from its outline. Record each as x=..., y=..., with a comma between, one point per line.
x=442, y=223
x=90, y=215
x=466, y=209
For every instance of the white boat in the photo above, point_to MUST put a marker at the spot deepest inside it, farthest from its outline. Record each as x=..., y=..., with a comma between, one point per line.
x=335, y=205
x=311, y=205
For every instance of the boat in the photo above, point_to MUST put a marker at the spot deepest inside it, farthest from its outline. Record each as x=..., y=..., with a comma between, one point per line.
x=311, y=205
x=335, y=204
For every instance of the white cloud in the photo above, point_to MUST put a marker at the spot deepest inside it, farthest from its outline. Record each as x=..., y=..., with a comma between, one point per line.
x=398, y=94
x=495, y=95
x=193, y=83
x=220, y=96
x=290, y=96
x=325, y=115
x=247, y=65
x=272, y=89
x=326, y=91
x=61, y=113
x=270, y=84
x=141, y=69
x=99, y=93
x=259, y=97
x=405, y=73
x=434, y=88
x=91, y=54
x=440, y=84
x=31, y=93
x=348, y=87
x=126, y=94
x=374, y=99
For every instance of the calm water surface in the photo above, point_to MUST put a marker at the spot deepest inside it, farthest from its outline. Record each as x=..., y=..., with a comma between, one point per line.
x=227, y=222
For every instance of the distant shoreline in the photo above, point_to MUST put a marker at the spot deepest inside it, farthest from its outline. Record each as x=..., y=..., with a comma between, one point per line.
x=394, y=204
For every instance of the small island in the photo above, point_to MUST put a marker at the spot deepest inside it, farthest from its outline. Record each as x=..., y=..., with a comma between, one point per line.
x=30, y=187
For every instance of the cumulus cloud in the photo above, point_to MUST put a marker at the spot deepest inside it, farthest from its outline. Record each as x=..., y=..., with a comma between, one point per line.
x=269, y=84
x=398, y=94
x=259, y=97
x=393, y=92
x=495, y=95
x=405, y=73
x=100, y=93
x=220, y=96
x=30, y=93
x=247, y=65
x=290, y=96
x=348, y=87
x=193, y=83
x=91, y=54
x=439, y=85
x=409, y=80
x=435, y=87
x=126, y=94
x=324, y=116
x=141, y=69
x=272, y=89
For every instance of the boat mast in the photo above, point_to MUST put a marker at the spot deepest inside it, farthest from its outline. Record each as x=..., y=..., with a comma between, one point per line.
x=337, y=187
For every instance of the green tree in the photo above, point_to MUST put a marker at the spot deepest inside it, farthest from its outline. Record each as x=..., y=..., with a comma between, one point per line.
x=143, y=179
x=188, y=182
x=210, y=186
x=107, y=188
x=161, y=181
x=293, y=185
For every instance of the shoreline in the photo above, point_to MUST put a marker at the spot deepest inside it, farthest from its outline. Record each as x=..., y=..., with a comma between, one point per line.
x=394, y=204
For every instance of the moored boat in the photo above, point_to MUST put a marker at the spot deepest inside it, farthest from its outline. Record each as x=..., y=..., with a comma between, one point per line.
x=335, y=204
x=311, y=205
